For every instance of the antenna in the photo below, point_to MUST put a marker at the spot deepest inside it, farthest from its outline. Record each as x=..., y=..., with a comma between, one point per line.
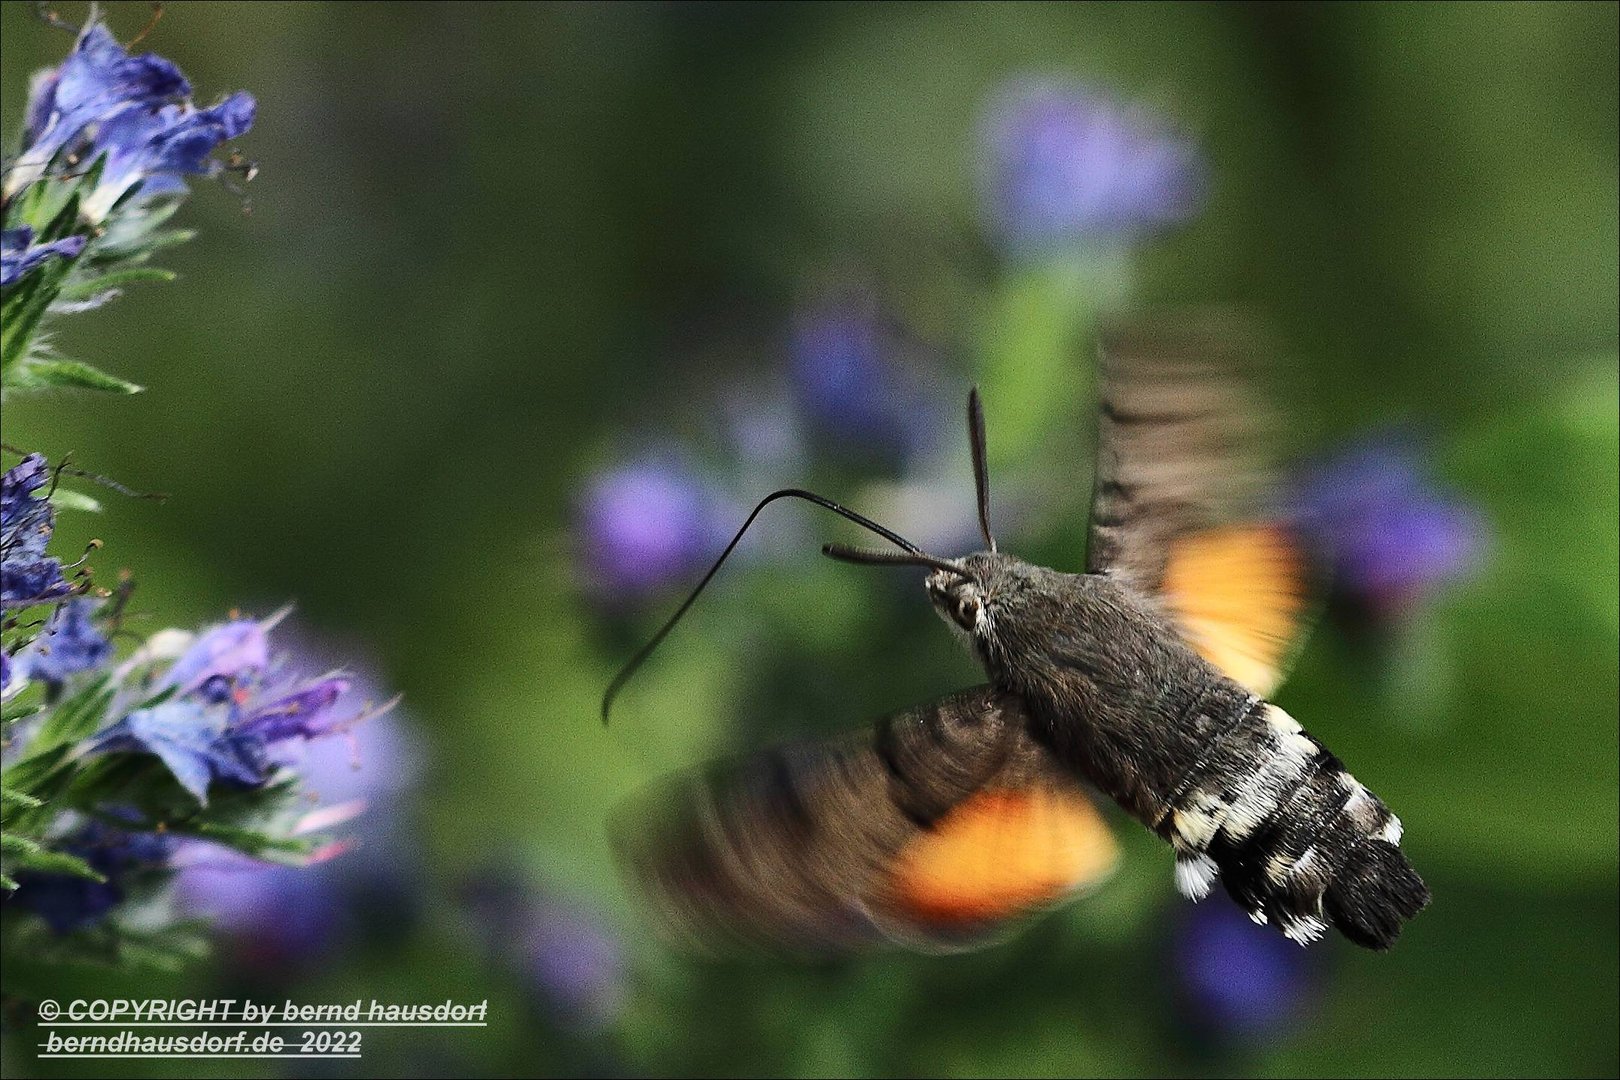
x=981, y=472
x=151, y=24
x=869, y=557
x=912, y=551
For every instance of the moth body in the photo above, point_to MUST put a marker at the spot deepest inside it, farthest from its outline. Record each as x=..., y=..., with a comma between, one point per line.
x=1241, y=791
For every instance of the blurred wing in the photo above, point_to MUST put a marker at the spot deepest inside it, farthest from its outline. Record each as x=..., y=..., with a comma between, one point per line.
x=1181, y=494
x=942, y=824
x=1239, y=594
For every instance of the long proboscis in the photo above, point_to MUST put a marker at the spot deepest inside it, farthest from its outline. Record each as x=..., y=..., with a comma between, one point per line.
x=912, y=551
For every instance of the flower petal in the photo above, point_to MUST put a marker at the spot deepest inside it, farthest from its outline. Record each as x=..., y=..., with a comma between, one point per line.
x=227, y=650
x=19, y=254
x=306, y=713
x=192, y=739
x=69, y=644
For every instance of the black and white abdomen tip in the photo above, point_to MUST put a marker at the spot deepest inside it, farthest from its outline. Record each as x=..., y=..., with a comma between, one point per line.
x=1296, y=840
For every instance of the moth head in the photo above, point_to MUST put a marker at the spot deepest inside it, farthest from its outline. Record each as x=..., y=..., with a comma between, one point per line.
x=960, y=600
x=970, y=593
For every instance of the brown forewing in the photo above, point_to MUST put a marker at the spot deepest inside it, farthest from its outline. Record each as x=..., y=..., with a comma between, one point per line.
x=1184, y=503
x=942, y=822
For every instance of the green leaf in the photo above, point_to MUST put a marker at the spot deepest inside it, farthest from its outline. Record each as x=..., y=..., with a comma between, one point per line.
x=158, y=698
x=25, y=304
x=163, y=238
x=137, y=240
x=74, y=718
x=12, y=798
x=27, y=774
x=16, y=710
x=66, y=218
x=253, y=842
x=51, y=374
x=64, y=499
x=20, y=293
x=41, y=775
x=23, y=853
x=135, y=275
x=168, y=948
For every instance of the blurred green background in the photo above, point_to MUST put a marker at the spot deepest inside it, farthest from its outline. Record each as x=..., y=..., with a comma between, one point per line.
x=496, y=247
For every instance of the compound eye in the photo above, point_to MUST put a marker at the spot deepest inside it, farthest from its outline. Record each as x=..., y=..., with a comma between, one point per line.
x=967, y=612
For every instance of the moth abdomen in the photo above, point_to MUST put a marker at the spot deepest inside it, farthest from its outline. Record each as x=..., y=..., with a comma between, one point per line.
x=1294, y=838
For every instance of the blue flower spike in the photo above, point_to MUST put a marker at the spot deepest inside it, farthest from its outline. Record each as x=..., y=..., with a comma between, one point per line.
x=1392, y=534
x=649, y=524
x=69, y=644
x=27, y=575
x=133, y=114
x=98, y=82
x=19, y=254
x=153, y=151
x=229, y=708
x=68, y=902
x=1066, y=165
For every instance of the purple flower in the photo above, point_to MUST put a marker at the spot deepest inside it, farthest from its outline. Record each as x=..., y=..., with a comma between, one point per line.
x=569, y=958
x=1390, y=534
x=238, y=647
x=281, y=918
x=1066, y=165
x=97, y=82
x=1238, y=979
x=19, y=254
x=133, y=114
x=41, y=105
x=153, y=149
x=67, y=902
x=375, y=762
x=195, y=740
x=27, y=574
x=230, y=708
x=573, y=962
x=851, y=387
x=68, y=644
x=650, y=524
x=305, y=713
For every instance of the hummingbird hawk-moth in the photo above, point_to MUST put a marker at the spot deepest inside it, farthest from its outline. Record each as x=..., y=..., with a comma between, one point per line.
x=1145, y=677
